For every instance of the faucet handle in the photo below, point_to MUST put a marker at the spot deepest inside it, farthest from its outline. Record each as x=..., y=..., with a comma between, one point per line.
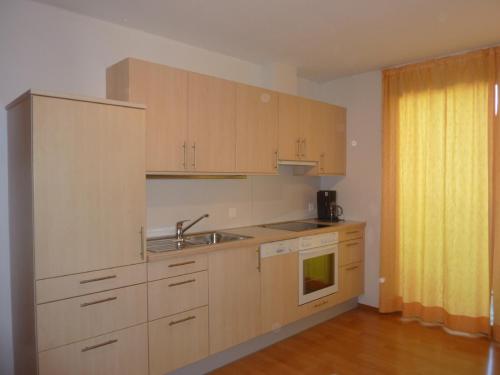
x=179, y=223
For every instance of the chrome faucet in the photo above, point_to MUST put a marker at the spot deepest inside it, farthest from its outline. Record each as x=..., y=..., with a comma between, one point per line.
x=179, y=230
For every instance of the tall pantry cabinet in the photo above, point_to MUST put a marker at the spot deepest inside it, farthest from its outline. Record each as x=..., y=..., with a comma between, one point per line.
x=77, y=219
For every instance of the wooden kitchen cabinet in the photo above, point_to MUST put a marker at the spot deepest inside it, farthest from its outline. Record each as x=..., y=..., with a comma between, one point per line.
x=279, y=283
x=88, y=186
x=164, y=90
x=211, y=124
x=234, y=297
x=352, y=281
x=256, y=130
x=77, y=207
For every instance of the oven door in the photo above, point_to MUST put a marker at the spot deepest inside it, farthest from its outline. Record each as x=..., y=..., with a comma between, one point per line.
x=318, y=273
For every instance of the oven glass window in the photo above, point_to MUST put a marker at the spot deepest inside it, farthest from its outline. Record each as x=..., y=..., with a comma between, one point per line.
x=319, y=273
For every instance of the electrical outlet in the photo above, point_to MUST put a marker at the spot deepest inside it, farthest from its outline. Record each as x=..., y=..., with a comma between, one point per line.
x=310, y=207
x=231, y=212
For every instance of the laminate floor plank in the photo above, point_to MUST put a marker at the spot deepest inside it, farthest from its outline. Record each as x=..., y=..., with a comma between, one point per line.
x=362, y=341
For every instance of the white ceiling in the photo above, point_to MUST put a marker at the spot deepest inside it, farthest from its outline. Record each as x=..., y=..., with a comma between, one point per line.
x=325, y=39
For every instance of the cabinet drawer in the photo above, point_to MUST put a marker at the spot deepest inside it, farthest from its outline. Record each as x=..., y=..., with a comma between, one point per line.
x=351, y=234
x=177, y=294
x=89, y=282
x=123, y=352
x=69, y=320
x=176, y=266
x=352, y=284
x=178, y=340
x=351, y=251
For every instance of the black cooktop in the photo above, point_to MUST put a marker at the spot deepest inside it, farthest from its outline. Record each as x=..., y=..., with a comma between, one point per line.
x=294, y=226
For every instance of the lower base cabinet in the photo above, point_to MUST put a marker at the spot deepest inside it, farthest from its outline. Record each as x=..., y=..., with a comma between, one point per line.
x=123, y=352
x=178, y=340
x=352, y=281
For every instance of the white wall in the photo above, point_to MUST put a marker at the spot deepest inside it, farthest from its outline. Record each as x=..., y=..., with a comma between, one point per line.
x=360, y=191
x=51, y=49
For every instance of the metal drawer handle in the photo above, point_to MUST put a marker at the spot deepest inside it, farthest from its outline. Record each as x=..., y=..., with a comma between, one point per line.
x=182, y=264
x=142, y=242
x=98, y=279
x=321, y=303
x=353, y=232
x=87, y=348
x=85, y=304
x=352, y=244
x=174, y=322
x=351, y=268
x=182, y=282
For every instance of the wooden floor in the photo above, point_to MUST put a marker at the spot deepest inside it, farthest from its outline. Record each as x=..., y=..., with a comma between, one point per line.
x=362, y=341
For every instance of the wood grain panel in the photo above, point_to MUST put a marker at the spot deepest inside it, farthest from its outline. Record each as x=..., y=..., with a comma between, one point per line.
x=123, y=352
x=351, y=251
x=178, y=340
x=289, y=127
x=211, y=123
x=89, y=186
x=256, y=130
x=73, y=319
x=177, y=294
x=177, y=266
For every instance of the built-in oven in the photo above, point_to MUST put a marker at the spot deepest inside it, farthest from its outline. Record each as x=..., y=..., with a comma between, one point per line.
x=318, y=266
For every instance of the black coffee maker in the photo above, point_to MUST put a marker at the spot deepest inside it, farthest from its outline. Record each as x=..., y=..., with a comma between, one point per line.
x=328, y=209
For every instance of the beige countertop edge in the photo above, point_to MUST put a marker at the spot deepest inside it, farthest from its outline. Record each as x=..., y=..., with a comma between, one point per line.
x=259, y=235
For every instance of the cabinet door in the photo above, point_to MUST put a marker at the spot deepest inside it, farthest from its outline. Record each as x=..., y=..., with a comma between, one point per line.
x=352, y=284
x=289, y=135
x=308, y=129
x=334, y=159
x=89, y=186
x=256, y=130
x=212, y=129
x=234, y=297
x=164, y=92
x=280, y=284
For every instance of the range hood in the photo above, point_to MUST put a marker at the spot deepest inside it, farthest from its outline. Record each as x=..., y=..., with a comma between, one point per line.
x=298, y=162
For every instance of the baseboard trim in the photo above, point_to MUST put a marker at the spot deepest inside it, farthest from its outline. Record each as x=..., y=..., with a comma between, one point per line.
x=368, y=307
x=223, y=358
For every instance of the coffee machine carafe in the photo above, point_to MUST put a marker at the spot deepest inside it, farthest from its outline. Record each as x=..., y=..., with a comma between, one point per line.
x=328, y=209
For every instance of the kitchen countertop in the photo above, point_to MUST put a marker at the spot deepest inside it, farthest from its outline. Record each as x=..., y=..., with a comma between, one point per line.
x=259, y=235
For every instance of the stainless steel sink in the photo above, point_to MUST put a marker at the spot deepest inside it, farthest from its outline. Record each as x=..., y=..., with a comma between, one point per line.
x=158, y=245
x=213, y=238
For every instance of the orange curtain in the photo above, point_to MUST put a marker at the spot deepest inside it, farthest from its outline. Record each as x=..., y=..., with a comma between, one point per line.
x=438, y=188
x=495, y=198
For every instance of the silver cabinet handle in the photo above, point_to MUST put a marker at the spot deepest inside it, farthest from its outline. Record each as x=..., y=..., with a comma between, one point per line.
x=322, y=162
x=182, y=264
x=352, y=244
x=184, y=151
x=174, y=322
x=85, y=304
x=182, y=283
x=194, y=155
x=304, y=147
x=259, y=265
x=87, y=348
x=353, y=232
x=298, y=148
x=142, y=241
x=321, y=303
x=98, y=279
x=276, y=159
x=351, y=268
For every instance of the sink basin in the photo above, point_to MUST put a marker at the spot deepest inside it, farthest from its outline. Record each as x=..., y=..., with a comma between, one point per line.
x=213, y=238
x=157, y=245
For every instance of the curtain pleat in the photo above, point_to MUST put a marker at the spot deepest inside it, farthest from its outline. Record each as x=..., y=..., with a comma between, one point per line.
x=436, y=196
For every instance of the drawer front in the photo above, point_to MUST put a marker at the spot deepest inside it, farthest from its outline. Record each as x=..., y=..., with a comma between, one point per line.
x=89, y=282
x=351, y=251
x=351, y=234
x=177, y=294
x=178, y=340
x=176, y=266
x=352, y=284
x=62, y=322
x=123, y=352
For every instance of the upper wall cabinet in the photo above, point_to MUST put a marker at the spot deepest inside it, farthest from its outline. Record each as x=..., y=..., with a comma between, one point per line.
x=200, y=124
x=164, y=90
x=190, y=118
x=211, y=124
x=256, y=130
